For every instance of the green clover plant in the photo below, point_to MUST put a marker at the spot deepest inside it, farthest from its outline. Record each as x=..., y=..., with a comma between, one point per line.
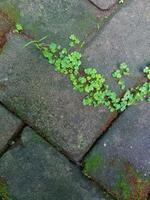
x=119, y=73
x=89, y=81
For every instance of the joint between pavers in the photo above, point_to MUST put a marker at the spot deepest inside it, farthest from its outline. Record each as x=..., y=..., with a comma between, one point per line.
x=101, y=9
x=57, y=148
x=108, y=14
x=112, y=120
x=10, y=110
x=14, y=139
x=25, y=124
x=105, y=130
x=102, y=186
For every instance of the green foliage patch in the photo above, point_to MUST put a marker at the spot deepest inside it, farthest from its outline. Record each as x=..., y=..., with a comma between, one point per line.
x=18, y=28
x=119, y=73
x=89, y=81
x=120, y=1
x=92, y=163
x=3, y=191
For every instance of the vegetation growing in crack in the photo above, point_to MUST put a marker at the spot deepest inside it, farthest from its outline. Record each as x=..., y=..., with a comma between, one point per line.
x=89, y=81
x=92, y=163
x=122, y=71
x=120, y=1
x=18, y=28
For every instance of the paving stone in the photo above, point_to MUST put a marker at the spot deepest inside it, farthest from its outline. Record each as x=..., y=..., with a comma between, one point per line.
x=46, y=100
x=36, y=171
x=124, y=39
x=104, y=4
x=57, y=19
x=8, y=126
x=121, y=159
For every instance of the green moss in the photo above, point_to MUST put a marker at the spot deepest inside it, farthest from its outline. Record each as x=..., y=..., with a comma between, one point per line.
x=131, y=185
x=4, y=191
x=10, y=10
x=124, y=187
x=92, y=163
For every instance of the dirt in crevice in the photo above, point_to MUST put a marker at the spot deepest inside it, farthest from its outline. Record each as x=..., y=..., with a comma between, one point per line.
x=6, y=25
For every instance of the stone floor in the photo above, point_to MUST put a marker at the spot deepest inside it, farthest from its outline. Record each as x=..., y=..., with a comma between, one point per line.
x=51, y=146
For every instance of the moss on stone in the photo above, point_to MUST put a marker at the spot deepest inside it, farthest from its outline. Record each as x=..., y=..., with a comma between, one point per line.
x=11, y=12
x=124, y=187
x=132, y=185
x=92, y=163
x=4, y=191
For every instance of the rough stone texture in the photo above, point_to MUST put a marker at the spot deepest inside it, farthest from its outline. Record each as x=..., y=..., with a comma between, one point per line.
x=36, y=171
x=124, y=155
x=47, y=101
x=8, y=125
x=124, y=39
x=104, y=4
x=58, y=113
x=57, y=19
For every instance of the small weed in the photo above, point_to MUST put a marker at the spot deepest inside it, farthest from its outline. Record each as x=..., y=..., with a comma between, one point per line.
x=122, y=71
x=120, y=1
x=18, y=28
x=147, y=72
x=73, y=40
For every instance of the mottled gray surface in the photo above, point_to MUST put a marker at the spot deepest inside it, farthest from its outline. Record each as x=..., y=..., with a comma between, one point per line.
x=57, y=19
x=36, y=171
x=48, y=104
x=44, y=99
x=104, y=4
x=8, y=126
x=47, y=101
x=124, y=39
x=125, y=154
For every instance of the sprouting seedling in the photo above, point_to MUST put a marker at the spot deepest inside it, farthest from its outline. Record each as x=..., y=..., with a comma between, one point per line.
x=147, y=72
x=35, y=42
x=120, y=1
x=18, y=28
x=122, y=71
x=73, y=40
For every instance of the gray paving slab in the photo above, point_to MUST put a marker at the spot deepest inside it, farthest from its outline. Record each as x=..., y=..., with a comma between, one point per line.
x=46, y=100
x=36, y=171
x=121, y=159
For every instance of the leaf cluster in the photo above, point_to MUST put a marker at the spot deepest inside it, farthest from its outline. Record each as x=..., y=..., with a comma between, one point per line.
x=18, y=28
x=89, y=81
x=119, y=73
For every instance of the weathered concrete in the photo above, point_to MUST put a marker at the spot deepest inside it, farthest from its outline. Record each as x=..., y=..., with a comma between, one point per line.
x=36, y=171
x=47, y=101
x=121, y=159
